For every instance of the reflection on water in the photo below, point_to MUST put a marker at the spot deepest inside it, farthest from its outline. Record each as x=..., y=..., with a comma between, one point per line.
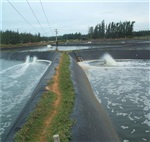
x=123, y=89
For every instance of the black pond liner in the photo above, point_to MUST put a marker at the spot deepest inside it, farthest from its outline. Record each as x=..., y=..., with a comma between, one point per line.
x=92, y=122
x=38, y=91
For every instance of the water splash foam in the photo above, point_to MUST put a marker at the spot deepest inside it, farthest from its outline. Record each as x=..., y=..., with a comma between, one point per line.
x=108, y=60
x=31, y=59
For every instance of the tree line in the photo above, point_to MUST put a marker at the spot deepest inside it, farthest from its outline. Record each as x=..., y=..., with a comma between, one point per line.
x=111, y=30
x=72, y=36
x=141, y=33
x=102, y=30
x=14, y=37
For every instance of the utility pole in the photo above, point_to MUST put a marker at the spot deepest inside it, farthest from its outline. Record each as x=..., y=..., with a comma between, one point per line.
x=56, y=31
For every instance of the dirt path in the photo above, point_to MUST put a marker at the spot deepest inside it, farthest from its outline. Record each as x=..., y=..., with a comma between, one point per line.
x=54, y=88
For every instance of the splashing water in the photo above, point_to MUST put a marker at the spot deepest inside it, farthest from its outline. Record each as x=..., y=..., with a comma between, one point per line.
x=108, y=60
x=27, y=59
x=123, y=90
x=18, y=80
x=34, y=59
x=31, y=59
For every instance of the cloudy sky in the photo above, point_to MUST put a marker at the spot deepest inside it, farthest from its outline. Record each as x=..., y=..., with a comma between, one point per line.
x=70, y=16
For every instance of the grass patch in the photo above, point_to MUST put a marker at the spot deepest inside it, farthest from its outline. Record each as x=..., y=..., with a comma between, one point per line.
x=61, y=123
x=34, y=123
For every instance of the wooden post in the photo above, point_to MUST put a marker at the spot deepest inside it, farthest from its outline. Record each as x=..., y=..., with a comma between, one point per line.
x=56, y=138
x=56, y=39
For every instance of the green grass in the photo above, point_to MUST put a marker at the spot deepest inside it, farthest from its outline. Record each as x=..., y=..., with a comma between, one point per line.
x=34, y=122
x=61, y=124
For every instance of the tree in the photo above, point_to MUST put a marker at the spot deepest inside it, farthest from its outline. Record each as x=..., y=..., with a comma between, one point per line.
x=12, y=37
x=96, y=32
x=103, y=29
x=91, y=32
x=112, y=30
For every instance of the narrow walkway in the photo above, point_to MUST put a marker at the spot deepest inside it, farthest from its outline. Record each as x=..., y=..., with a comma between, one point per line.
x=54, y=88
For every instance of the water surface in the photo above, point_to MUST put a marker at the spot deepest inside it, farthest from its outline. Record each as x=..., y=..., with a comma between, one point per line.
x=122, y=87
x=18, y=80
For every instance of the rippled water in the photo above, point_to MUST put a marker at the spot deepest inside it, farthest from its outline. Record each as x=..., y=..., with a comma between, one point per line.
x=18, y=80
x=123, y=89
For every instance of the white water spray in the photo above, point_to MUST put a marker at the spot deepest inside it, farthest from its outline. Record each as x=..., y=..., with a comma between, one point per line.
x=22, y=66
x=34, y=59
x=27, y=59
x=30, y=59
x=108, y=60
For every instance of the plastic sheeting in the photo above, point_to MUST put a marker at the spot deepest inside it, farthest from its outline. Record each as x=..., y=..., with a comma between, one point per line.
x=92, y=122
x=93, y=54
x=38, y=91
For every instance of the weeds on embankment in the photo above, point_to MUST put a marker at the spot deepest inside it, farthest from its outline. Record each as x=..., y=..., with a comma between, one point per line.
x=36, y=129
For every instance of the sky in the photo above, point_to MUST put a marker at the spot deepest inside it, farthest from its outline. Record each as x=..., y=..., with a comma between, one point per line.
x=70, y=16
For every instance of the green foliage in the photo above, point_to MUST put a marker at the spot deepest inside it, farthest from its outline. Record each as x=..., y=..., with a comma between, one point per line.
x=12, y=37
x=62, y=123
x=141, y=33
x=101, y=30
x=112, y=30
x=8, y=37
x=72, y=36
x=34, y=123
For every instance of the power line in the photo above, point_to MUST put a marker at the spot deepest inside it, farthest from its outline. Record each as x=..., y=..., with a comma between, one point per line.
x=35, y=16
x=46, y=16
x=20, y=14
